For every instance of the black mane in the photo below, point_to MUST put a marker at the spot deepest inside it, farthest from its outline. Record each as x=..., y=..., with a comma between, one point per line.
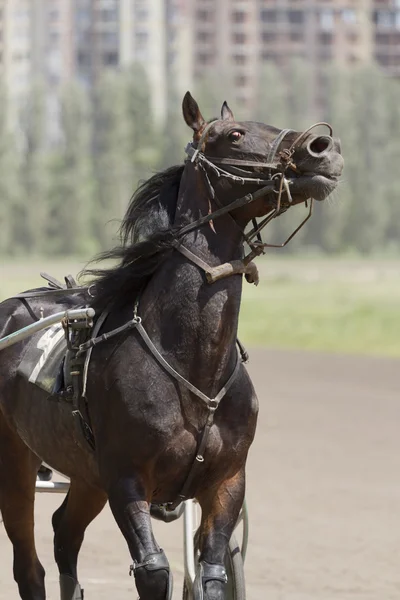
x=146, y=239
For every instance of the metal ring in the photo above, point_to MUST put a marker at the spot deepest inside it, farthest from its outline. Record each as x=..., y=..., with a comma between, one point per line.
x=89, y=292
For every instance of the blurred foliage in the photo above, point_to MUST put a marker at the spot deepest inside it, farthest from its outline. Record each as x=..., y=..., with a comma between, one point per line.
x=67, y=197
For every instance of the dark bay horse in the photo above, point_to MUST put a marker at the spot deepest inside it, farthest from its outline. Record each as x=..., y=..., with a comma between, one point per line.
x=148, y=423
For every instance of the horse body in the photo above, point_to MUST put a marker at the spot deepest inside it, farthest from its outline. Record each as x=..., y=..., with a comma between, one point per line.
x=146, y=425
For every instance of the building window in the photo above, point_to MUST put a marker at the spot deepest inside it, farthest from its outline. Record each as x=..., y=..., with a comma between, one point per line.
x=206, y=16
x=204, y=36
x=296, y=17
x=239, y=38
x=326, y=19
x=83, y=17
x=108, y=15
x=353, y=37
x=269, y=16
x=240, y=80
x=83, y=59
x=325, y=54
x=240, y=59
x=382, y=38
x=109, y=38
x=141, y=38
x=269, y=56
x=383, y=59
x=268, y=37
x=383, y=18
x=54, y=37
x=325, y=39
x=205, y=58
x=110, y=58
x=296, y=36
x=54, y=14
x=141, y=14
x=239, y=16
x=349, y=16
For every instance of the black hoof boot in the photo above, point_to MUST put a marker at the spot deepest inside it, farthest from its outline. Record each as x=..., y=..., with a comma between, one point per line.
x=153, y=577
x=210, y=582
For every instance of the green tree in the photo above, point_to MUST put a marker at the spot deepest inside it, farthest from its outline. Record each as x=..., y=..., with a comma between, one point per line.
x=144, y=143
x=363, y=144
x=210, y=91
x=10, y=190
x=72, y=179
x=32, y=207
x=271, y=105
x=113, y=169
x=124, y=146
x=176, y=133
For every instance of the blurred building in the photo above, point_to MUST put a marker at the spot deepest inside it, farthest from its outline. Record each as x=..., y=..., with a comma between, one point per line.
x=240, y=35
x=386, y=26
x=178, y=41
x=16, y=46
x=115, y=33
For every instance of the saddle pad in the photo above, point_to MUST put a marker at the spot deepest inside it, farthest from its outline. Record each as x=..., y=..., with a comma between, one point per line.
x=43, y=359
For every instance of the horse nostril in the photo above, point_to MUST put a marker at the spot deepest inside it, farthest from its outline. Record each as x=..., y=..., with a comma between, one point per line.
x=320, y=145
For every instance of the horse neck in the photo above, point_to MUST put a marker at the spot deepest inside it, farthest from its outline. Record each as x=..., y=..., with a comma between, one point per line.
x=193, y=322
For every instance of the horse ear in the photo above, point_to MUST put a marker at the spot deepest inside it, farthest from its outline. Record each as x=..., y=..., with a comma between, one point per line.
x=226, y=113
x=191, y=113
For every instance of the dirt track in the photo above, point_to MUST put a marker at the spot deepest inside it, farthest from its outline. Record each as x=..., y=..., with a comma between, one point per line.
x=323, y=491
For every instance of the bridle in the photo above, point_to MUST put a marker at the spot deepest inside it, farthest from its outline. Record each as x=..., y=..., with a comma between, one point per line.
x=239, y=171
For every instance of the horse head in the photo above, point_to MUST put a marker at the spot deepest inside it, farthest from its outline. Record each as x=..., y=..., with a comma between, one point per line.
x=243, y=156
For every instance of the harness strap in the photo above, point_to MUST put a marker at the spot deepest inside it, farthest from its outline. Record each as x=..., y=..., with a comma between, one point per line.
x=96, y=329
x=269, y=185
x=212, y=403
x=136, y=323
x=193, y=258
x=246, y=163
x=195, y=466
x=51, y=292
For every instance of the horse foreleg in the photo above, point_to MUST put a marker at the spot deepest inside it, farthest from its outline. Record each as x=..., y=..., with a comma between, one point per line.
x=220, y=511
x=82, y=504
x=130, y=507
x=18, y=469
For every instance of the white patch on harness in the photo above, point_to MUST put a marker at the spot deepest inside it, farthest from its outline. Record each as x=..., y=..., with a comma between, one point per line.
x=46, y=343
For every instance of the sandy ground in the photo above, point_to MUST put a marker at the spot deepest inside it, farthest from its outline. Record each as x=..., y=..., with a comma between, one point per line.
x=323, y=491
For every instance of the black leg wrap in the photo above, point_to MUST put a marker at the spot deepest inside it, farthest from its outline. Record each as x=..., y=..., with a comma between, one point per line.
x=208, y=572
x=70, y=588
x=145, y=574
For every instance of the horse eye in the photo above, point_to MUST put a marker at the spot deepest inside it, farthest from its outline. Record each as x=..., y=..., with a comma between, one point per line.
x=235, y=136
